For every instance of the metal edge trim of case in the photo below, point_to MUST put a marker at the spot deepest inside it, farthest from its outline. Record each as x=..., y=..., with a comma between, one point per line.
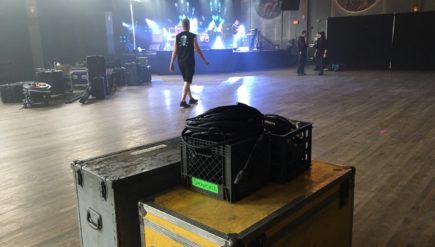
x=75, y=165
x=186, y=223
x=166, y=142
x=142, y=212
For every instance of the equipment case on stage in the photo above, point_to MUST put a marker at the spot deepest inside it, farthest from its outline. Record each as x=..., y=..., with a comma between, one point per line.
x=145, y=73
x=54, y=78
x=109, y=187
x=36, y=94
x=98, y=87
x=79, y=76
x=12, y=93
x=313, y=209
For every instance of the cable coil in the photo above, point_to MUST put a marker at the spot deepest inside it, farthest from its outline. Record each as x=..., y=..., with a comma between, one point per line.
x=224, y=125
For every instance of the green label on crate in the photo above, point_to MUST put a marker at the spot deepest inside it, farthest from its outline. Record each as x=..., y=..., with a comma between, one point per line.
x=213, y=188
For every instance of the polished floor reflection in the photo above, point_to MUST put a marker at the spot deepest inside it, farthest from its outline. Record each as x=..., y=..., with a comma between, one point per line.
x=380, y=122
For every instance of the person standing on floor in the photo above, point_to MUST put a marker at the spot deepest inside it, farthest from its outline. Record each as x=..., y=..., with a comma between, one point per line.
x=302, y=53
x=184, y=48
x=321, y=50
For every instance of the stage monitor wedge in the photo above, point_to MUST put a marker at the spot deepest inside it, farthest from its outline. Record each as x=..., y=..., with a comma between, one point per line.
x=290, y=4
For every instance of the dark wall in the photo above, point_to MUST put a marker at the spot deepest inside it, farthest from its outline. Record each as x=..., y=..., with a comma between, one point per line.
x=414, y=39
x=72, y=29
x=360, y=41
x=369, y=41
x=15, y=52
x=319, y=12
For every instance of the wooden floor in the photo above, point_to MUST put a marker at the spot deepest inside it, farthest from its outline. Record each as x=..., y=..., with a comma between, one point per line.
x=383, y=123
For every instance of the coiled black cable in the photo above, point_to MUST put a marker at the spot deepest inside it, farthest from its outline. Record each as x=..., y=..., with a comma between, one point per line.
x=279, y=125
x=224, y=125
x=229, y=124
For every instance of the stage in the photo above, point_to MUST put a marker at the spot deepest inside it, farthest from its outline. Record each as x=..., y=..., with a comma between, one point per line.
x=227, y=61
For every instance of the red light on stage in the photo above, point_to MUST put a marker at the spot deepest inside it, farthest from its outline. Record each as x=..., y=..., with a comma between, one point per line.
x=295, y=22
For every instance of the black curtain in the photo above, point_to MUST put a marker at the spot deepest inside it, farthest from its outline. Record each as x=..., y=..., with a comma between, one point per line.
x=414, y=41
x=72, y=30
x=360, y=41
x=16, y=62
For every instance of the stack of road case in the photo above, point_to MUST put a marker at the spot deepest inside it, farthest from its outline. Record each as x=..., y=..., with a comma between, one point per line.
x=12, y=92
x=109, y=187
x=132, y=74
x=118, y=76
x=144, y=69
x=313, y=209
x=79, y=76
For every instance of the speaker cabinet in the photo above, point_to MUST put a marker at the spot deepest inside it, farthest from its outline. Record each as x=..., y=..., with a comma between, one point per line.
x=290, y=5
x=96, y=67
x=118, y=76
x=99, y=87
x=132, y=74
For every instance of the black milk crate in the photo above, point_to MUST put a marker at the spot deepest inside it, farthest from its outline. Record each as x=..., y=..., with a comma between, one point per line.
x=213, y=171
x=291, y=152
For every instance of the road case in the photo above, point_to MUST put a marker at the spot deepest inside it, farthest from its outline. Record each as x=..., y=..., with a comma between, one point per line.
x=313, y=209
x=79, y=76
x=109, y=187
x=12, y=93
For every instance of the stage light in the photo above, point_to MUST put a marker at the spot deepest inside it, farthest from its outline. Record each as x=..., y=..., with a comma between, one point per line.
x=126, y=25
x=216, y=24
x=218, y=44
x=133, y=29
x=243, y=49
x=155, y=29
x=241, y=31
x=139, y=49
x=194, y=25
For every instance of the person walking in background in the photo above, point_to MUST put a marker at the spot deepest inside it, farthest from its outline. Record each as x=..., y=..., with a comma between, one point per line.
x=302, y=53
x=185, y=46
x=321, y=50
